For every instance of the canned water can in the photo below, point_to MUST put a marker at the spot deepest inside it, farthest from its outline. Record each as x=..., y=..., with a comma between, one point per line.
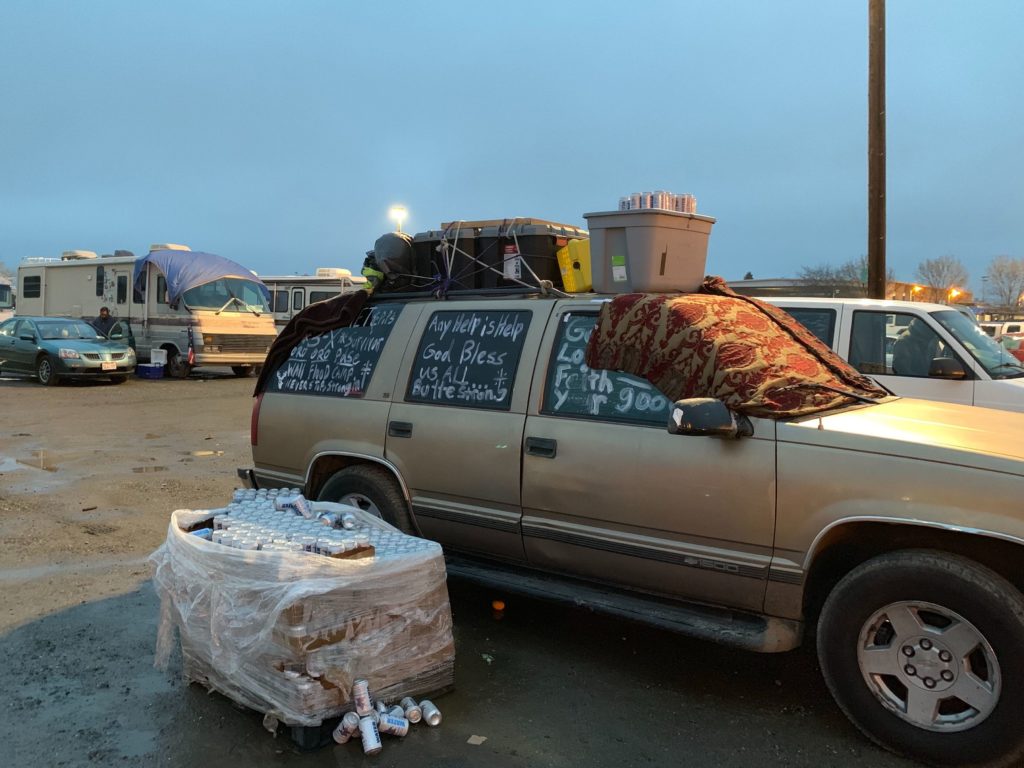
x=361, y=697
x=413, y=713
x=381, y=707
x=370, y=735
x=396, y=726
x=348, y=520
x=431, y=714
x=347, y=728
x=397, y=711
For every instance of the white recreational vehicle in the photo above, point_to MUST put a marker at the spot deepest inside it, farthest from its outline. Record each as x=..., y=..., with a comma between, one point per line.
x=6, y=298
x=182, y=306
x=290, y=294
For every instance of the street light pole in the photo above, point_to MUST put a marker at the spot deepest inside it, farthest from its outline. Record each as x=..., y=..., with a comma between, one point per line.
x=876, y=149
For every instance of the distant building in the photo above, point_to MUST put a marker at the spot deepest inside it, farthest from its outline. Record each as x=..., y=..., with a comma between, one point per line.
x=791, y=286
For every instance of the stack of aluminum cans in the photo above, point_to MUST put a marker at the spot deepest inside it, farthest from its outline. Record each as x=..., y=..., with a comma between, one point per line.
x=658, y=200
x=282, y=520
x=372, y=718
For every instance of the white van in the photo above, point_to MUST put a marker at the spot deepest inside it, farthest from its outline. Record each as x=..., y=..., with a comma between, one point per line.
x=928, y=351
x=289, y=294
x=183, y=307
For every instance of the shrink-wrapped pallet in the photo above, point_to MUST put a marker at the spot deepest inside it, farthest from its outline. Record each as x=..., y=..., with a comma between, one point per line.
x=286, y=633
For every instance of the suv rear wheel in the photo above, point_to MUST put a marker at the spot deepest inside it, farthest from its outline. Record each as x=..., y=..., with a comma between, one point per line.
x=922, y=651
x=373, y=490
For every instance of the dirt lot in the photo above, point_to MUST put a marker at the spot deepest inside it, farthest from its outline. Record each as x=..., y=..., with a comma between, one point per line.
x=88, y=476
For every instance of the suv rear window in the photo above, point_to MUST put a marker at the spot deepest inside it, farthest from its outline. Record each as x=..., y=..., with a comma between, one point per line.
x=573, y=389
x=820, y=322
x=469, y=358
x=339, y=363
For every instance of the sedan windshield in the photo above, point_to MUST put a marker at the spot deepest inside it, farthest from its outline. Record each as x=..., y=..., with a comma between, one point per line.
x=66, y=329
x=992, y=356
x=229, y=294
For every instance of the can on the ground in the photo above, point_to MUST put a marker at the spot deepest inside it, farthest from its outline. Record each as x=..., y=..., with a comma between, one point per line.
x=397, y=711
x=396, y=726
x=370, y=735
x=381, y=707
x=413, y=713
x=347, y=728
x=361, y=697
x=431, y=714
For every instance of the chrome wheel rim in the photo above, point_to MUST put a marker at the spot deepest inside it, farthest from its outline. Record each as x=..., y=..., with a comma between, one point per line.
x=929, y=666
x=45, y=371
x=361, y=501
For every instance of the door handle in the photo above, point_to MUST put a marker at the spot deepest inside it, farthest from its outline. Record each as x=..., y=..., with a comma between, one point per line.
x=542, y=446
x=399, y=429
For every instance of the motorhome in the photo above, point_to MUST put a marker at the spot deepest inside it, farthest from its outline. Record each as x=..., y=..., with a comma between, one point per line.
x=183, y=307
x=6, y=298
x=290, y=294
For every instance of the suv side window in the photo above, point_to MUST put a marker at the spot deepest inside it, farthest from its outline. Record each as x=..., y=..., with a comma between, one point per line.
x=572, y=389
x=339, y=363
x=820, y=322
x=469, y=358
x=895, y=344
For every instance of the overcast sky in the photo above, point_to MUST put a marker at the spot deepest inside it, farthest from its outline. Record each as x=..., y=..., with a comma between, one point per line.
x=279, y=133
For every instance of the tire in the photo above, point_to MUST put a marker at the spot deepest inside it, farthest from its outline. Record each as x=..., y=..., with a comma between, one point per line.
x=902, y=636
x=373, y=490
x=242, y=371
x=46, y=371
x=118, y=379
x=177, y=366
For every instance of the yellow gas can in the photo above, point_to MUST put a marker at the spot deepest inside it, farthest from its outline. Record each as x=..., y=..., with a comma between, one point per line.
x=574, y=264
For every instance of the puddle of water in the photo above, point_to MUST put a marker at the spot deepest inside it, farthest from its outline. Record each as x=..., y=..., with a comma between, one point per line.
x=204, y=453
x=39, y=460
x=149, y=469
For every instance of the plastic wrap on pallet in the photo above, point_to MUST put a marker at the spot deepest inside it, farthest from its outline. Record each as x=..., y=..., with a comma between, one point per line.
x=286, y=633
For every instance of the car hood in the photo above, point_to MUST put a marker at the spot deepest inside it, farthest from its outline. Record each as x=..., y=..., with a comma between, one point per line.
x=921, y=429
x=83, y=345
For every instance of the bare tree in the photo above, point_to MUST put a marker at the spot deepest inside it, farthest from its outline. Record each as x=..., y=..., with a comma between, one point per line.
x=847, y=279
x=1006, y=279
x=942, y=274
x=5, y=271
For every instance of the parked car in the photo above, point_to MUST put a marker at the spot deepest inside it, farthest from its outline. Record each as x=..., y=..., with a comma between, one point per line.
x=893, y=529
x=53, y=348
x=997, y=329
x=963, y=363
x=1014, y=344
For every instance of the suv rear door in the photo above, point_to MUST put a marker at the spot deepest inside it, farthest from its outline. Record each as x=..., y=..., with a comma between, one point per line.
x=609, y=494
x=456, y=427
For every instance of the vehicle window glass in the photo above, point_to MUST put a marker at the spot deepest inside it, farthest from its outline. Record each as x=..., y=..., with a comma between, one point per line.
x=122, y=289
x=469, y=358
x=31, y=286
x=66, y=329
x=572, y=389
x=315, y=296
x=161, y=289
x=7, y=328
x=297, y=297
x=989, y=353
x=100, y=278
x=1012, y=328
x=339, y=363
x=280, y=301
x=820, y=322
x=896, y=344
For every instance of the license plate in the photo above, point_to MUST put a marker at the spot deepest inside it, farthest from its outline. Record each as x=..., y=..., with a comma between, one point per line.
x=108, y=366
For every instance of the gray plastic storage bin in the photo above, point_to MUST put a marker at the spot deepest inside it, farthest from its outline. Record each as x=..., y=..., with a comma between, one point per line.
x=648, y=250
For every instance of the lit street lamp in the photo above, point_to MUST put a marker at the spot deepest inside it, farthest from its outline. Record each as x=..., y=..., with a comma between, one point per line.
x=397, y=213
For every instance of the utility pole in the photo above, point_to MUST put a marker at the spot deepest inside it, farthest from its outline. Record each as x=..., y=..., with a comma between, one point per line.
x=876, y=149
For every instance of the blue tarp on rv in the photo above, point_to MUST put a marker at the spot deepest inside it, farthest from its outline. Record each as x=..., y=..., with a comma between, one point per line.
x=187, y=269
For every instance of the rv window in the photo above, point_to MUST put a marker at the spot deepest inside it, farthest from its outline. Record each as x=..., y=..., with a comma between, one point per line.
x=122, y=289
x=100, y=279
x=161, y=289
x=280, y=301
x=297, y=297
x=315, y=296
x=31, y=287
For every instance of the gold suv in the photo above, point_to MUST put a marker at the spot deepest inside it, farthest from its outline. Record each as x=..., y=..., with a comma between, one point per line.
x=894, y=529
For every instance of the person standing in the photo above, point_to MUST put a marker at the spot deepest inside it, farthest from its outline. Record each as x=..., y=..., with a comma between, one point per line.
x=104, y=322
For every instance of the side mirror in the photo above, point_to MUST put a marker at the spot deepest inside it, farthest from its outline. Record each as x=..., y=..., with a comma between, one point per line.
x=946, y=368
x=707, y=417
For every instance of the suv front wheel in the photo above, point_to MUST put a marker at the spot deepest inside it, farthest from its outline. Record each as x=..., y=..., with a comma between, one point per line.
x=373, y=490
x=923, y=652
